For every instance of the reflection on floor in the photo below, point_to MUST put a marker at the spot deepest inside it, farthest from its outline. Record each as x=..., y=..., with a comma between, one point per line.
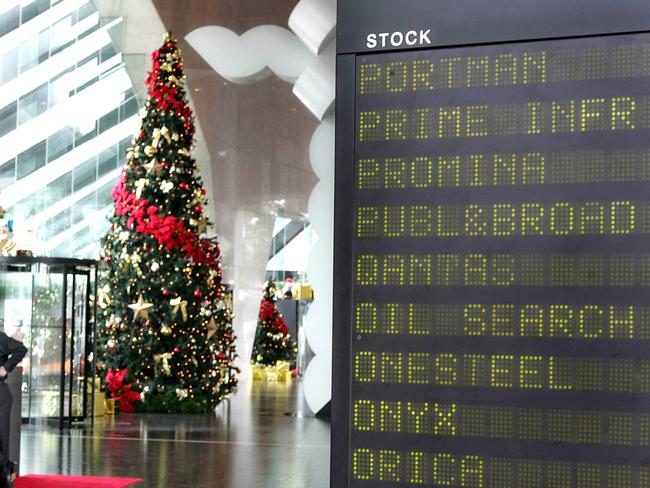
x=250, y=442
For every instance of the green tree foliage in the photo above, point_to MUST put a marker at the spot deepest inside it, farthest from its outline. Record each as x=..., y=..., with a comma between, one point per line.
x=162, y=313
x=273, y=342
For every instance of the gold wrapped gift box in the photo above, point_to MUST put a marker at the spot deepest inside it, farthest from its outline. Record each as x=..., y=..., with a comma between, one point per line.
x=50, y=406
x=112, y=406
x=257, y=373
x=89, y=382
x=281, y=372
x=99, y=409
x=50, y=403
x=303, y=291
x=99, y=396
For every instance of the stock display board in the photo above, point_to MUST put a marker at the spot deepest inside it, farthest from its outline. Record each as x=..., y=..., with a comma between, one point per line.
x=498, y=217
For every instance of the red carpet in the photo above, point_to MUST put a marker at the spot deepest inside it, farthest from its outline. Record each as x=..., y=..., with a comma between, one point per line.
x=45, y=481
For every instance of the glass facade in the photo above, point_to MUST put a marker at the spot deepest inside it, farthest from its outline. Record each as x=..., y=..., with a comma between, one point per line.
x=293, y=239
x=67, y=113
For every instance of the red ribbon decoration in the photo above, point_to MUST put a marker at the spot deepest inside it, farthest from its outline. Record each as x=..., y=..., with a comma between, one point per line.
x=169, y=231
x=142, y=216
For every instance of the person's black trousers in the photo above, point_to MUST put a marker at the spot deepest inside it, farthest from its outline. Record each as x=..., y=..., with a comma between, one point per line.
x=5, y=421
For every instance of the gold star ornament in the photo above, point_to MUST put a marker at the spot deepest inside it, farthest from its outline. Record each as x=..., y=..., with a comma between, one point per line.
x=140, y=309
x=153, y=166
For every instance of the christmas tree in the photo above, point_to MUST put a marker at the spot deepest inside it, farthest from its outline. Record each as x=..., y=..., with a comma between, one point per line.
x=162, y=314
x=272, y=339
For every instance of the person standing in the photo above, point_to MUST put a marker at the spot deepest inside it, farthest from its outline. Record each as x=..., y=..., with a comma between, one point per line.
x=12, y=352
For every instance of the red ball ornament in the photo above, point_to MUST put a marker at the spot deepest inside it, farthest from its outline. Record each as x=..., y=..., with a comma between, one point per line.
x=107, y=260
x=203, y=191
x=165, y=293
x=182, y=186
x=198, y=209
x=163, y=165
x=177, y=350
x=147, y=323
x=198, y=294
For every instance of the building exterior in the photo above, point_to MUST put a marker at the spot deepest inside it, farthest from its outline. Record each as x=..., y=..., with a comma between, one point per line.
x=67, y=114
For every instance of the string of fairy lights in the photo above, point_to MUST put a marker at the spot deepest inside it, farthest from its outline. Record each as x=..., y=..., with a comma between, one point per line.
x=164, y=314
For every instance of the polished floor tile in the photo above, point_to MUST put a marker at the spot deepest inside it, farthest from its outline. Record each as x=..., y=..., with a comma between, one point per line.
x=250, y=442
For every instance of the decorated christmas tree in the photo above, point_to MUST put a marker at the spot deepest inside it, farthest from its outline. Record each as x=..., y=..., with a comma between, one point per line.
x=162, y=316
x=273, y=342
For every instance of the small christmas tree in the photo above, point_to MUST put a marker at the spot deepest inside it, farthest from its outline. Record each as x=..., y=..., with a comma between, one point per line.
x=272, y=339
x=163, y=317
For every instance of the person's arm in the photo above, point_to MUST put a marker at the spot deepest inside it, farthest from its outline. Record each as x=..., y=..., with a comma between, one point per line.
x=12, y=348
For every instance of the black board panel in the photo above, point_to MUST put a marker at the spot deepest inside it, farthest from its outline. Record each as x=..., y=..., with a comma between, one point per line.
x=457, y=22
x=492, y=244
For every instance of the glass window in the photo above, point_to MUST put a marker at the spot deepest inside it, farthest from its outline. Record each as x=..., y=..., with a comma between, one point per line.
x=108, y=121
x=85, y=174
x=107, y=52
x=121, y=153
x=8, y=66
x=34, y=51
x=59, y=89
x=93, y=57
x=9, y=20
x=33, y=9
x=83, y=134
x=28, y=54
x=88, y=83
x=57, y=224
x=28, y=207
x=105, y=194
x=107, y=161
x=62, y=249
x=7, y=118
x=60, y=35
x=83, y=209
x=7, y=173
x=60, y=188
x=89, y=31
x=86, y=10
x=30, y=160
x=33, y=104
x=44, y=45
x=59, y=143
x=81, y=239
x=128, y=108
